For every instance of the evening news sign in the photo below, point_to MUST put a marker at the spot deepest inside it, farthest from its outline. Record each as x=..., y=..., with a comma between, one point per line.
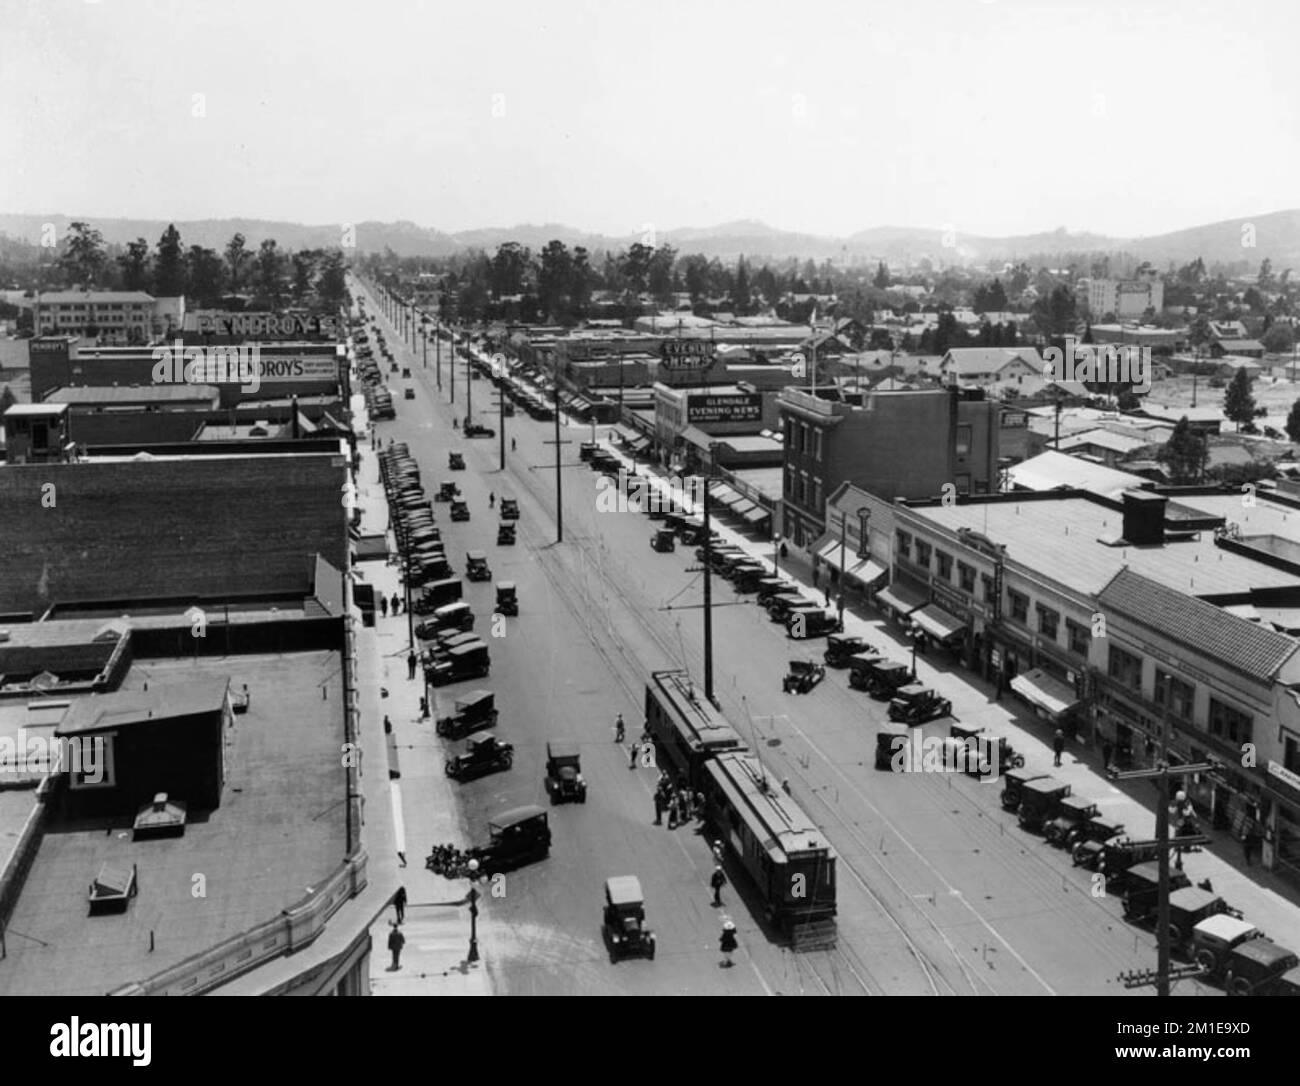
x=265, y=325
x=743, y=407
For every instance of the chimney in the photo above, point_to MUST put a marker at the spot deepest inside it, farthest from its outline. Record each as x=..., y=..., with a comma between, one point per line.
x=1144, y=517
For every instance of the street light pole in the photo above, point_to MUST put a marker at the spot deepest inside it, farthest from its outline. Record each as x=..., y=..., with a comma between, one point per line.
x=843, y=522
x=473, y=896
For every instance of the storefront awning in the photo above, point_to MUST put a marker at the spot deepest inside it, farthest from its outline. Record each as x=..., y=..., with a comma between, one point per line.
x=867, y=571
x=1047, y=693
x=639, y=445
x=901, y=598
x=720, y=492
x=757, y=515
x=937, y=622
x=830, y=554
x=742, y=506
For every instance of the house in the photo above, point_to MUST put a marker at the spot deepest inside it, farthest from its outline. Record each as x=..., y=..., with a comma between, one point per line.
x=1228, y=330
x=826, y=345
x=1244, y=348
x=1231, y=365
x=977, y=366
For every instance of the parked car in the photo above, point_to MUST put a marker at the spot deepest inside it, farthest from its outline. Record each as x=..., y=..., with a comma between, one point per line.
x=564, y=780
x=1213, y=937
x=516, y=837
x=917, y=704
x=448, y=491
x=475, y=711
x=484, y=753
x=469, y=661
x=840, y=648
x=450, y=616
x=507, y=598
x=663, y=540
x=1073, y=813
x=1039, y=802
x=885, y=677
x=782, y=603
x=1091, y=837
x=813, y=622
x=1260, y=967
x=802, y=677
x=456, y=461
x=474, y=429
x=891, y=741
x=625, y=928
x=1142, y=889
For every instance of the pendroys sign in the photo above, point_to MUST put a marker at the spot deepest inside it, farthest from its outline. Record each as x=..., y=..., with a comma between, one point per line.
x=263, y=325
x=725, y=407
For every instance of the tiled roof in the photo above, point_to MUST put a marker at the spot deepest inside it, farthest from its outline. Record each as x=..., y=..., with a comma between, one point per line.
x=1239, y=643
x=94, y=297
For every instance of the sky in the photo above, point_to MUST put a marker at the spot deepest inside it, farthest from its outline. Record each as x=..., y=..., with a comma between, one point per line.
x=987, y=117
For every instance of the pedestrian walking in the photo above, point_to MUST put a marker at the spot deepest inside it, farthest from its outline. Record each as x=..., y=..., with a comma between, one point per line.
x=399, y=904
x=672, y=811
x=699, y=806
x=1058, y=745
x=410, y=664
x=396, y=605
x=717, y=880
x=492, y=499
x=728, y=944
x=512, y=444
x=396, y=940
x=659, y=808
x=455, y=423
x=717, y=853
x=388, y=725
x=620, y=729
x=817, y=576
x=631, y=755
x=383, y=606
x=827, y=593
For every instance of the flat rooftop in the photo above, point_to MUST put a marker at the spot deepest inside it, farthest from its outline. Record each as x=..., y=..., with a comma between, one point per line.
x=278, y=832
x=1061, y=539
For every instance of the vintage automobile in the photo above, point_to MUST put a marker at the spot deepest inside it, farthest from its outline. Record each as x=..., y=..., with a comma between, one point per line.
x=802, y=676
x=841, y=647
x=780, y=604
x=1259, y=967
x=990, y=753
x=1039, y=802
x=408, y=393
x=663, y=541
x=812, y=622
x=442, y=645
x=422, y=571
x=625, y=931
x=517, y=837
x=1091, y=837
x=470, y=661
x=1212, y=938
x=860, y=668
x=1117, y=857
x=564, y=780
x=769, y=586
x=456, y=461
x=484, y=753
x=884, y=677
x=472, y=712
x=1072, y=814
x=459, y=510
x=505, y=534
x=450, y=616
x=891, y=740
x=448, y=491
x=474, y=429
x=917, y=704
x=509, y=509
x=745, y=577
x=1142, y=889
x=507, y=598
x=588, y=449
x=438, y=594
x=476, y=566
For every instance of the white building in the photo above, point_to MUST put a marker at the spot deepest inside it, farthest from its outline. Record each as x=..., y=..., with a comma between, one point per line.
x=117, y=315
x=1126, y=297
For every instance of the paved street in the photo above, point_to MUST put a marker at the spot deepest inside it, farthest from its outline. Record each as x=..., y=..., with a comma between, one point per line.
x=939, y=891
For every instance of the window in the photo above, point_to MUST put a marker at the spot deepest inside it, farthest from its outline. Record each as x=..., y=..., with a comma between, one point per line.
x=963, y=440
x=1174, y=694
x=790, y=477
x=944, y=561
x=903, y=544
x=1079, y=636
x=1291, y=753
x=789, y=433
x=1125, y=668
x=816, y=502
x=817, y=444
x=803, y=437
x=923, y=554
x=1019, y=605
x=987, y=583
x=1048, y=621
x=1229, y=723
x=966, y=577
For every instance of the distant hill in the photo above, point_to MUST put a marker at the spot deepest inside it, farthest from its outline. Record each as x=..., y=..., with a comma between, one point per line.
x=1276, y=236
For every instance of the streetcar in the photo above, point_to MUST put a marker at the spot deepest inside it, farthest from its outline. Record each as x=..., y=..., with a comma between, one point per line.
x=686, y=729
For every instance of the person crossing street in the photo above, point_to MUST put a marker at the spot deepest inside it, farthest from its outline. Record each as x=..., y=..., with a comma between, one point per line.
x=620, y=729
x=728, y=944
x=717, y=880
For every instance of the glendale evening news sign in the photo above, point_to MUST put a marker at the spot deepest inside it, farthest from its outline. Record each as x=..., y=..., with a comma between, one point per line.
x=734, y=407
x=263, y=325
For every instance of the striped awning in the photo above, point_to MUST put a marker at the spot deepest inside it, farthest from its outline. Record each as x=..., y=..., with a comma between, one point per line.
x=868, y=571
x=757, y=515
x=901, y=598
x=937, y=622
x=720, y=492
x=1045, y=692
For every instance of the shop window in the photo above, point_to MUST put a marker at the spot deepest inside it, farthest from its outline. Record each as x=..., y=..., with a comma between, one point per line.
x=1049, y=621
x=1080, y=637
x=963, y=440
x=966, y=577
x=903, y=544
x=989, y=587
x=1228, y=723
x=1175, y=695
x=923, y=553
x=944, y=563
x=1125, y=668
x=1019, y=606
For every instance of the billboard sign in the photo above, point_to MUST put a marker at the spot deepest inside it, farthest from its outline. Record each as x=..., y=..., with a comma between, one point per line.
x=263, y=325
x=725, y=407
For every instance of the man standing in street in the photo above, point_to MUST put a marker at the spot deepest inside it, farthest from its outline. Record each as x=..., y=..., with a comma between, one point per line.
x=659, y=807
x=411, y=662
x=728, y=944
x=396, y=940
x=620, y=729
x=1058, y=745
x=631, y=755
x=718, y=880
x=399, y=904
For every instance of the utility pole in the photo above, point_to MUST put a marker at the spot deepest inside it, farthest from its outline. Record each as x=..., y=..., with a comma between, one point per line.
x=708, y=583
x=452, y=366
x=559, y=474
x=437, y=351
x=501, y=420
x=1162, y=772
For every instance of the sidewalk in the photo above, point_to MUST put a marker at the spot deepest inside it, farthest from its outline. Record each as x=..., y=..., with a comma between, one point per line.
x=423, y=813
x=1264, y=897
